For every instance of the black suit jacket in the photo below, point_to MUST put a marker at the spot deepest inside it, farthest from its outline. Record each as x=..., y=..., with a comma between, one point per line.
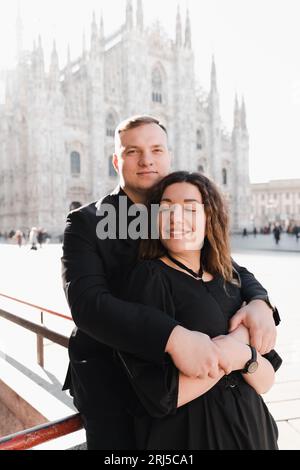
x=93, y=270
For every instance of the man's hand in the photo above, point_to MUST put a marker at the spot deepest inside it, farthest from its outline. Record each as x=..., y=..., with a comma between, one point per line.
x=258, y=318
x=195, y=354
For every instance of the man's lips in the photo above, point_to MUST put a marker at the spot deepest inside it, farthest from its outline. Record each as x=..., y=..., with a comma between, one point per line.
x=142, y=173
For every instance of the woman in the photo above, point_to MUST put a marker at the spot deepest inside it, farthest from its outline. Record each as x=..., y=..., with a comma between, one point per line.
x=188, y=273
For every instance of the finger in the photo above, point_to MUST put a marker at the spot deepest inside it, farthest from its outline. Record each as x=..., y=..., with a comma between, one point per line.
x=268, y=342
x=269, y=347
x=214, y=372
x=236, y=320
x=225, y=365
x=256, y=339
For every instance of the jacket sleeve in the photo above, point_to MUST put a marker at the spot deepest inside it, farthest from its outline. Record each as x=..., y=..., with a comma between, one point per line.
x=252, y=289
x=274, y=358
x=250, y=286
x=122, y=325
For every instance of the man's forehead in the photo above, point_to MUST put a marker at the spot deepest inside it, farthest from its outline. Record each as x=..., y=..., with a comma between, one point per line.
x=148, y=134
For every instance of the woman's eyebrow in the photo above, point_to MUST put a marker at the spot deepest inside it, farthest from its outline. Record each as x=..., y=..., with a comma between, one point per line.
x=192, y=200
x=185, y=200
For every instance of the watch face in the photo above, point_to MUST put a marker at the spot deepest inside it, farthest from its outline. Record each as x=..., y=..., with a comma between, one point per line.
x=252, y=367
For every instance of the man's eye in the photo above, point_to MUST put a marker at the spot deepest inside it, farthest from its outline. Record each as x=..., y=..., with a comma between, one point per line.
x=158, y=150
x=130, y=152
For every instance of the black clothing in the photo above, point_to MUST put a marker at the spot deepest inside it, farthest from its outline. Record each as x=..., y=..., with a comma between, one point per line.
x=229, y=416
x=93, y=273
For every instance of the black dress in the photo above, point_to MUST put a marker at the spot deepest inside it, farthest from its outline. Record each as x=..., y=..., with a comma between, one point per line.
x=230, y=416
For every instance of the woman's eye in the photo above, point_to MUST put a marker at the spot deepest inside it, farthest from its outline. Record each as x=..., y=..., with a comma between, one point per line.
x=164, y=208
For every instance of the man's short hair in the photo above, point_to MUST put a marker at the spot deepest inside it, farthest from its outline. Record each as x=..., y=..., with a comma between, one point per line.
x=137, y=121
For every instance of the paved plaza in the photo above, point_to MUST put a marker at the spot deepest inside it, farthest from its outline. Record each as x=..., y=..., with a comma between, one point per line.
x=35, y=278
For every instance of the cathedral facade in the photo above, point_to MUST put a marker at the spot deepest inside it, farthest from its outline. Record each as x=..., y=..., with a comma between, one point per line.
x=57, y=126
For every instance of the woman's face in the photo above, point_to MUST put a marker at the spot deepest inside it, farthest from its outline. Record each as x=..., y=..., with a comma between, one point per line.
x=182, y=219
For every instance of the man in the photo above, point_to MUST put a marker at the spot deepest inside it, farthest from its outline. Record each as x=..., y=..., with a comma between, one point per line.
x=93, y=269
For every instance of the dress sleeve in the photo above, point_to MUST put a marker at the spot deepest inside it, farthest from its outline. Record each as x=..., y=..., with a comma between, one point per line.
x=156, y=385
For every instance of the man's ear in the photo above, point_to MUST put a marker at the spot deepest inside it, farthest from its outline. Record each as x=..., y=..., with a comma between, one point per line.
x=115, y=162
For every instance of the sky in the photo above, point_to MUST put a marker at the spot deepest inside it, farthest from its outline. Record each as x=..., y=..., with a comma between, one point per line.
x=256, y=44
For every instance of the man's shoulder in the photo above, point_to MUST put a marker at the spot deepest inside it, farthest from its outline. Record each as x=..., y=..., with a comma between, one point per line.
x=92, y=209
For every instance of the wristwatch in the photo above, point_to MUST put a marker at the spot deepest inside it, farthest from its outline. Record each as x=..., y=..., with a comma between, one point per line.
x=252, y=365
x=266, y=299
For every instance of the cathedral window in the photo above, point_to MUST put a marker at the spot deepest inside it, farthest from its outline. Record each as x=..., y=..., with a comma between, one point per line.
x=224, y=177
x=157, y=86
x=75, y=164
x=110, y=125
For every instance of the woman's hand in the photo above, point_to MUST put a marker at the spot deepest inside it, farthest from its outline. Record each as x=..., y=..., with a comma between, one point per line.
x=235, y=352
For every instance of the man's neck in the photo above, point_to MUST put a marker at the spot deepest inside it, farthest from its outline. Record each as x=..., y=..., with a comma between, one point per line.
x=134, y=196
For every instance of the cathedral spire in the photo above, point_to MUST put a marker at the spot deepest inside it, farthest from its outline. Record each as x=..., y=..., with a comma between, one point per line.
x=101, y=29
x=178, y=27
x=94, y=34
x=38, y=65
x=213, y=76
x=188, y=31
x=129, y=15
x=40, y=55
x=243, y=115
x=19, y=32
x=84, y=51
x=237, y=114
x=140, y=15
x=54, y=67
x=69, y=55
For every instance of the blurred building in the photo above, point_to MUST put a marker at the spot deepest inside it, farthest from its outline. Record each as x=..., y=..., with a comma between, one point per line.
x=276, y=202
x=57, y=126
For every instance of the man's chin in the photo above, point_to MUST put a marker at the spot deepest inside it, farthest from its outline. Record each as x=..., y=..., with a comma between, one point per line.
x=148, y=182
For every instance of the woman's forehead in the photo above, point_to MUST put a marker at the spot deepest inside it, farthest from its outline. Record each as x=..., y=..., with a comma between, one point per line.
x=183, y=192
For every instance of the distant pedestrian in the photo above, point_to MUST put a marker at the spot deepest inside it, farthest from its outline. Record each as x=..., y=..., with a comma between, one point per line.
x=33, y=238
x=19, y=238
x=255, y=232
x=245, y=232
x=277, y=233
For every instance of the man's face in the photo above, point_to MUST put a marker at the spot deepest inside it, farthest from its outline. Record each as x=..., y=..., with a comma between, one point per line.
x=142, y=157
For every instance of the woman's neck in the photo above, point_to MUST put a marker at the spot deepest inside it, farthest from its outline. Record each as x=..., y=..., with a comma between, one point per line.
x=191, y=259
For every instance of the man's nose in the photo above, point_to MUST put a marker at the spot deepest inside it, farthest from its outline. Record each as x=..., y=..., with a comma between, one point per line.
x=146, y=159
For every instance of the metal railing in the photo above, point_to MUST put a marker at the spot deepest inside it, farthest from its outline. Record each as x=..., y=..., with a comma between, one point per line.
x=33, y=437
x=30, y=438
x=40, y=330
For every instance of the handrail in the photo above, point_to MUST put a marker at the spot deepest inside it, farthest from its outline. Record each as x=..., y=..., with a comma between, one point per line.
x=35, y=328
x=42, y=309
x=33, y=437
